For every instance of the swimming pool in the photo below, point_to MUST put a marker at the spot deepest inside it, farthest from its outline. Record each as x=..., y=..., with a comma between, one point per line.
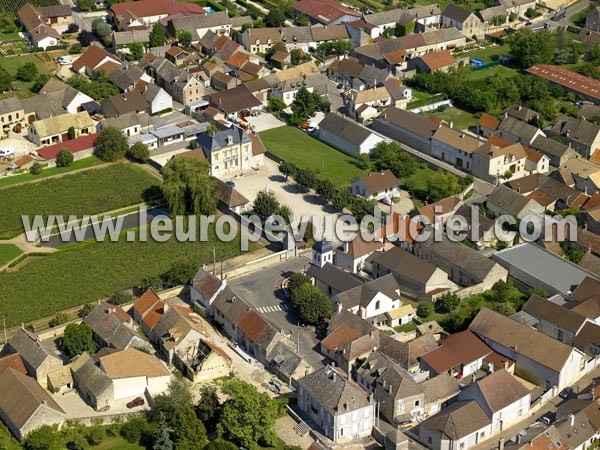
x=208, y=9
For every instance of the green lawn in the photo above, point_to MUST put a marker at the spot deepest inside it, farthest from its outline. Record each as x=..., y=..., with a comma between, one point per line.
x=418, y=180
x=12, y=63
x=299, y=148
x=117, y=443
x=77, y=165
x=82, y=273
x=489, y=54
x=493, y=71
x=88, y=192
x=460, y=119
x=7, y=441
x=8, y=252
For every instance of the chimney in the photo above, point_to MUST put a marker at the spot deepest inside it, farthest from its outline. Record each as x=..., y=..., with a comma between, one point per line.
x=165, y=308
x=501, y=444
x=571, y=420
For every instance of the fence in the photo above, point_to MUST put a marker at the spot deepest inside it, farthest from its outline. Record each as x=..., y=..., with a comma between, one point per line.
x=432, y=106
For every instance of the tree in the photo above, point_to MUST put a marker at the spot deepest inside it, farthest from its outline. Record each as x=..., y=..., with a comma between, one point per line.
x=101, y=28
x=95, y=436
x=288, y=169
x=306, y=178
x=40, y=82
x=297, y=56
x=364, y=161
x=7, y=23
x=27, y=72
x=36, y=168
x=162, y=437
x=285, y=212
x=133, y=429
x=208, y=408
x=58, y=319
x=221, y=444
x=6, y=80
x=78, y=339
x=326, y=189
x=139, y=152
x=295, y=281
x=111, y=144
x=170, y=406
x=301, y=20
x=530, y=13
x=341, y=199
x=276, y=47
x=157, y=37
x=179, y=273
x=120, y=298
x=304, y=104
x=424, y=309
x=312, y=305
x=72, y=29
x=84, y=311
x=276, y=104
x=77, y=442
x=189, y=434
x=275, y=18
x=188, y=187
x=84, y=5
x=265, y=204
x=137, y=50
x=185, y=39
x=441, y=185
x=447, y=303
x=64, y=158
x=71, y=133
x=42, y=438
x=532, y=48
x=248, y=416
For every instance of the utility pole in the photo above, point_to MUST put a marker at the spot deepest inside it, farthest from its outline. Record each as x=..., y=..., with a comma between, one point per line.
x=214, y=262
x=298, y=338
x=4, y=326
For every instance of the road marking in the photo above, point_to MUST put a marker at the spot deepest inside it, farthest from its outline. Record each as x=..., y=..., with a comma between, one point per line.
x=272, y=308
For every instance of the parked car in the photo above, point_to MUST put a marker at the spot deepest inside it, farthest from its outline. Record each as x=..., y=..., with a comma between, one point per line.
x=566, y=392
x=138, y=401
x=65, y=60
x=547, y=418
x=8, y=151
x=230, y=183
x=312, y=128
x=12, y=167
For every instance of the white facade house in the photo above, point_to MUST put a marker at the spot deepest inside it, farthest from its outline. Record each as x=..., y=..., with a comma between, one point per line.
x=377, y=186
x=158, y=99
x=340, y=408
x=205, y=288
x=348, y=136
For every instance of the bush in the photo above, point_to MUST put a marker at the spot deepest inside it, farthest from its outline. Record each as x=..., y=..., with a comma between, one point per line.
x=120, y=298
x=27, y=72
x=132, y=431
x=77, y=442
x=59, y=319
x=424, y=309
x=138, y=152
x=36, y=168
x=64, y=158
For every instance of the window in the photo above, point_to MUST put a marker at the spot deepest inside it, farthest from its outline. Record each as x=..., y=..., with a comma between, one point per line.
x=462, y=445
x=416, y=403
x=429, y=440
x=377, y=304
x=482, y=435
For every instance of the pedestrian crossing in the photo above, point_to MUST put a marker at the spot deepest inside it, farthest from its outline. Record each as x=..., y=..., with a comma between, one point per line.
x=273, y=308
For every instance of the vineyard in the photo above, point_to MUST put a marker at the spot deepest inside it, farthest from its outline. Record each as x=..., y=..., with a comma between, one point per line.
x=12, y=6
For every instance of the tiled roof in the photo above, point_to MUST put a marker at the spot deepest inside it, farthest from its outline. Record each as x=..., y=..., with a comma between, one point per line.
x=133, y=363
x=568, y=79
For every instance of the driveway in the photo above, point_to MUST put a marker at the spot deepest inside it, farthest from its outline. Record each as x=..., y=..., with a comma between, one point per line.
x=288, y=193
x=262, y=290
x=264, y=121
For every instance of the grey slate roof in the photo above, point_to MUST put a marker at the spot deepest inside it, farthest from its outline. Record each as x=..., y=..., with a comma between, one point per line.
x=456, y=13
x=406, y=264
x=544, y=309
x=9, y=105
x=578, y=130
x=285, y=360
x=220, y=140
x=126, y=76
x=508, y=199
x=333, y=391
x=231, y=305
x=518, y=128
x=409, y=121
x=345, y=128
x=129, y=37
x=457, y=421
x=333, y=276
x=32, y=352
x=89, y=375
x=549, y=146
x=109, y=327
x=200, y=21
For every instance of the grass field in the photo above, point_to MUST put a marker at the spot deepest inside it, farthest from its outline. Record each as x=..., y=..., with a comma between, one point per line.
x=12, y=63
x=418, y=180
x=82, y=273
x=8, y=252
x=461, y=120
x=88, y=192
x=489, y=54
x=493, y=71
x=12, y=6
x=77, y=165
x=299, y=148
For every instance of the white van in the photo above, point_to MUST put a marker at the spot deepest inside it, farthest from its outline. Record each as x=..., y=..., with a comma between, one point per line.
x=8, y=151
x=65, y=60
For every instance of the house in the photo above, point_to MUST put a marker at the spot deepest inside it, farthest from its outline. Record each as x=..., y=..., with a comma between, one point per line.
x=227, y=311
x=148, y=12
x=348, y=136
x=580, y=134
x=554, y=320
x=441, y=60
x=121, y=40
x=228, y=151
x=127, y=76
x=538, y=358
x=38, y=360
x=94, y=60
x=92, y=383
x=341, y=409
x=113, y=327
x=25, y=405
x=55, y=130
x=56, y=98
x=372, y=300
x=535, y=267
x=487, y=125
x=223, y=81
x=325, y=12
x=403, y=126
x=592, y=19
x=518, y=131
x=217, y=22
x=578, y=430
x=183, y=86
x=12, y=361
x=257, y=336
x=521, y=113
x=233, y=101
x=82, y=147
x=440, y=211
x=352, y=255
x=408, y=20
x=491, y=162
x=288, y=89
x=205, y=287
x=586, y=87
x=157, y=98
x=330, y=279
x=584, y=299
x=460, y=426
x=464, y=266
x=204, y=362
x=11, y=113
x=464, y=20
x=505, y=201
x=454, y=147
x=120, y=104
x=416, y=278
x=134, y=373
x=176, y=55
x=148, y=310
x=548, y=192
x=536, y=162
x=43, y=25
x=585, y=175
x=459, y=355
x=377, y=186
x=287, y=364
x=494, y=18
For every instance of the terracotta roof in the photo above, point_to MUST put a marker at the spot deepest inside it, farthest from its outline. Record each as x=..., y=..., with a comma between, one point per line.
x=175, y=51
x=133, y=363
x=568, y=79
x=252, y=325
x=238, y=59
x=358, y=247
x=93, y=56
x=340, y=337
x=438, y=60
x=459, y=348
x=380, y=181
x=499, y=390
x=443, y=207
x=488, y=121
x=75, y=145
x=324, y=11
x=146, y=301
x=12, y=361
x=155, y=313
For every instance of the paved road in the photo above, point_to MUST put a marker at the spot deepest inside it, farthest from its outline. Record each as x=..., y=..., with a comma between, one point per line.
x=131, y=220
x=571, y=11
x=261, y=290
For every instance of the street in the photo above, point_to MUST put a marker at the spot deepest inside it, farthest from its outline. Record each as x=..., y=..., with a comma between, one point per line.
x=262, y=290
